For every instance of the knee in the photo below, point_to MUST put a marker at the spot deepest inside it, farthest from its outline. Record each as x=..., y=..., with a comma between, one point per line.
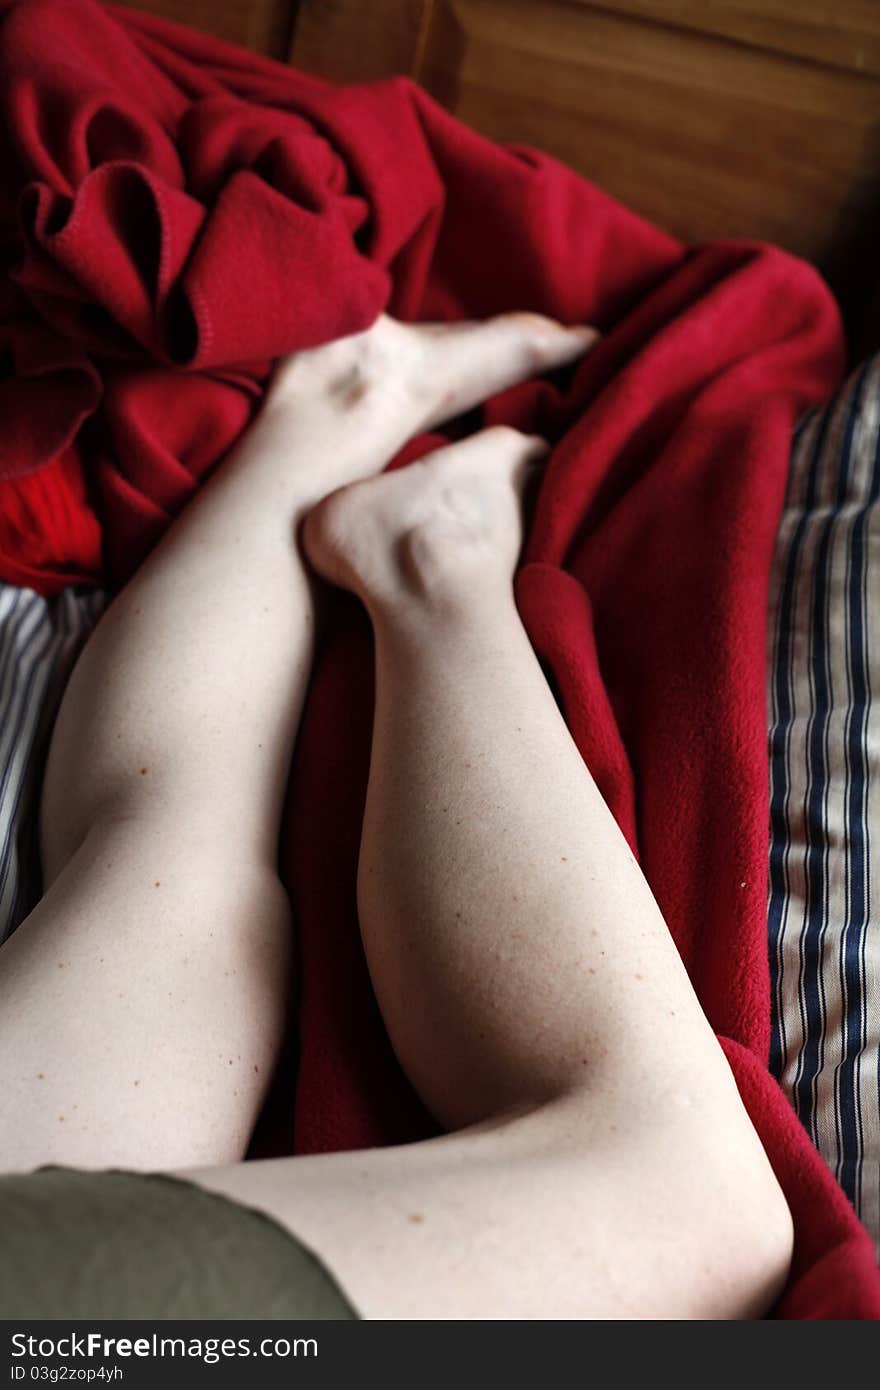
x=694, y=1218
x=740, y=1229
x=760, y=1248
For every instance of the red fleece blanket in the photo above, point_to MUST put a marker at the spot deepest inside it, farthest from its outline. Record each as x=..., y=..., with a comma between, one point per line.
x=175, y=213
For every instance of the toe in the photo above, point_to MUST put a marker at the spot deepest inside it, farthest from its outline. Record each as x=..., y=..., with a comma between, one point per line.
x=469, y=362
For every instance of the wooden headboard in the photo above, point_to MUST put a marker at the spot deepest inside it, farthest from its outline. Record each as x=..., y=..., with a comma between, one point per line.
x=744, y=118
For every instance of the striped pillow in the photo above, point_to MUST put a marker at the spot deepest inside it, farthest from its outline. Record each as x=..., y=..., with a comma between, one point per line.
x=39, y=641
x=824, y=739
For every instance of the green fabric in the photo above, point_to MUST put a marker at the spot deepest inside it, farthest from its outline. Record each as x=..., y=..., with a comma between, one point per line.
x=115, y=1244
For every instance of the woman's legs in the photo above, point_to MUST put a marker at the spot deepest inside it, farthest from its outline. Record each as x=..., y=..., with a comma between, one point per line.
x=528, y=981
x=143, y=1001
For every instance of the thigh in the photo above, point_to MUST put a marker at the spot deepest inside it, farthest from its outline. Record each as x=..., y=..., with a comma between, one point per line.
x=580, y=1208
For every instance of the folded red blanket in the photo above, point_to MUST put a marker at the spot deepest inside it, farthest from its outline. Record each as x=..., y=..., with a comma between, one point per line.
x=174, y=213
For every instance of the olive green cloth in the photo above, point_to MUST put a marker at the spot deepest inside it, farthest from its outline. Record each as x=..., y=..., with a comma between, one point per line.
x=116, y=1244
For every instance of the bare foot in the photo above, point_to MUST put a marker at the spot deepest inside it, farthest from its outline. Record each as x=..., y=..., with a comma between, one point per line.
x=445, y=531
x=397, y=380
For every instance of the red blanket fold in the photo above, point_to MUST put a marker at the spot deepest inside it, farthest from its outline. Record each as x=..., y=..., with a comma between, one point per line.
x=174, y=213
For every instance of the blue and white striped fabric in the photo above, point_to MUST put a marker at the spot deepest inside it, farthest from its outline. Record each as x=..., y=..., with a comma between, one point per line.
x=39, y=641
x=824, y=891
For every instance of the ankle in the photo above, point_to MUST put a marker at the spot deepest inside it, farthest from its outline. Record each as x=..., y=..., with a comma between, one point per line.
x=352, y=383
x=414, y=614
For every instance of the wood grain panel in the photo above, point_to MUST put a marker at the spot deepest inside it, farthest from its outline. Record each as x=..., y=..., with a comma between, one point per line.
x=707, y=137
x=263, y=25
x=836, y=33
x=350, y=40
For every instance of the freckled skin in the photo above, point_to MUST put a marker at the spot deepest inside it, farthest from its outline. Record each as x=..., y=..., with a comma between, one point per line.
x=529, y=1056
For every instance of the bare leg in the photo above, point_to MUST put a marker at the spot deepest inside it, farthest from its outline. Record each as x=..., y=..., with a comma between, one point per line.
x=530, y=986
x=142, y=1002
